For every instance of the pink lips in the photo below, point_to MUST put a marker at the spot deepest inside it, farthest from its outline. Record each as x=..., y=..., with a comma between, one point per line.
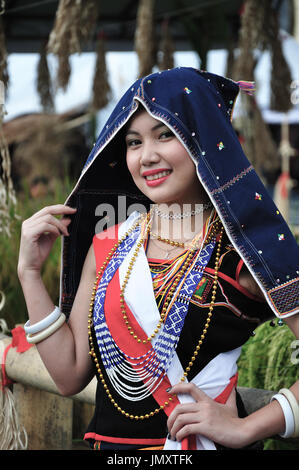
x=157, y=181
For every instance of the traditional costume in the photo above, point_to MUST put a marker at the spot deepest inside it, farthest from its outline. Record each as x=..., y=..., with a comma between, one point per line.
x=152, y=322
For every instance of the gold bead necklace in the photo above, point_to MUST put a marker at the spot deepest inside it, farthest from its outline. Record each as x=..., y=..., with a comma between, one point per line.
x=171, y=290
x=167, y=240
x=195, y=353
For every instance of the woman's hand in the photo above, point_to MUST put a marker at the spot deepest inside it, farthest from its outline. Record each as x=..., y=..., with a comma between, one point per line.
x=38, y=235
x=213, y=420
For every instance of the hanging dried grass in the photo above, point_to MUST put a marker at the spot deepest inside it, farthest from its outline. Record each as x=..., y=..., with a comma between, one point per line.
x=44, y=85
x=44, y=149
x=8, y=199
x=281, y=78
x=144, y=37
x=63, y=72
x=251, y=36
x=74, y=25
x=101, y=88
x=266, y=153
x=3, y=57
x=230, y=61
x=259, y=145
x=165, y=56
x=260, y=29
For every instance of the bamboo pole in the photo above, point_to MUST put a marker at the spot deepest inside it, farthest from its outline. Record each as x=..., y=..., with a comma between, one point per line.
x=28, y=369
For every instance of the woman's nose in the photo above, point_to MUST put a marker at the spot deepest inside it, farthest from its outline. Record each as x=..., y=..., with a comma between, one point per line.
x=148, y=154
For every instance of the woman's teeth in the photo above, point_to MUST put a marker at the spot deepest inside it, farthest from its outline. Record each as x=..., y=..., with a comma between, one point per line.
x=157, y=175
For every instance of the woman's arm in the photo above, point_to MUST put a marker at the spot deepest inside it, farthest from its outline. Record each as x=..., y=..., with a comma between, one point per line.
x=66, y=352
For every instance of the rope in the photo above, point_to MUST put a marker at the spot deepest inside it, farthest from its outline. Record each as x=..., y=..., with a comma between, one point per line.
x=13, y=435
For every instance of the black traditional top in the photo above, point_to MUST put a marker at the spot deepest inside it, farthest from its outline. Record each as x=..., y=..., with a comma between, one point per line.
x=235, y=316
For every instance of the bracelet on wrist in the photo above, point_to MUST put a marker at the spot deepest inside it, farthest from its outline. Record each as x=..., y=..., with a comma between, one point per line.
x=288, y=415
x=295, y=408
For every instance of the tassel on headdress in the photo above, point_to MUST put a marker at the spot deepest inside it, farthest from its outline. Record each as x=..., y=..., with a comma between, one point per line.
x=101, y=87
x=247, y=87
x=144, y=37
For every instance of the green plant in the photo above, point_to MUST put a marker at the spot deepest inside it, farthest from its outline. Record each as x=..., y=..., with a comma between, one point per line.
x=266, y=363
x=14, y=310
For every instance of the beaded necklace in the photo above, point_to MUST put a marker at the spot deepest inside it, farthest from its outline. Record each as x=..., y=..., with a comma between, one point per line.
x=155, y=370
x=162, y=274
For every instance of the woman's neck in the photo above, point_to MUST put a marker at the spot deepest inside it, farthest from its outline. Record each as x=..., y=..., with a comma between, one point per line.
x=179, y=223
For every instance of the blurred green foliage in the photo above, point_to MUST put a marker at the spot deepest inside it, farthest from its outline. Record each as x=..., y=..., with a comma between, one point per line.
x=14, y=310
x=269, y=361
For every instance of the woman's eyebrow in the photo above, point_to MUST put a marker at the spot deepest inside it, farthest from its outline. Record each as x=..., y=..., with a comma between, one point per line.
x=157, y=126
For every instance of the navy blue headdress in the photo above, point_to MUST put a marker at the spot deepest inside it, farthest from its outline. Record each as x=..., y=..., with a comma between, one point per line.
x=197, y=106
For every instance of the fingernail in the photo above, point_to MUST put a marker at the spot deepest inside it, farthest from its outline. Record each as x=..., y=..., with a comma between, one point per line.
x=168, y=389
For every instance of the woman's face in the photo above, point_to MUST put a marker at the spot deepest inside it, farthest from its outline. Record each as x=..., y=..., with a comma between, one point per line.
x=159, y=164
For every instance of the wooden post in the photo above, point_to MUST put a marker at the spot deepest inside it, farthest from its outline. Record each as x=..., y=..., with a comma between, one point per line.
x=82, y=415
x=28, y=368
x=284, y=183
x=46, y=417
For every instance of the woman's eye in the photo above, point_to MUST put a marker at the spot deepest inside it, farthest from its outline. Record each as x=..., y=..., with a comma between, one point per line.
x=166, y=135
x=133, y=142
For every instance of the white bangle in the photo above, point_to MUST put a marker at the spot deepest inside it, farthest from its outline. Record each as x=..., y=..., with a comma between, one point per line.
x=288, y=414
x=44, y=323
x=295, y=408
x=47, y=332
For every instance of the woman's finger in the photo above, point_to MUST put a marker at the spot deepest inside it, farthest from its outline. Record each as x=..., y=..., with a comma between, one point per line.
x=57, y=209
x=179, y=411
x=183, y=420
x=45, y=228
x=189, y=389
x=50, y=219
x=187, y=430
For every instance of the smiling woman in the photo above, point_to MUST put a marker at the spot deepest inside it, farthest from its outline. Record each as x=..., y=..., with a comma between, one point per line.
x=159, y=164
x=164, y=300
